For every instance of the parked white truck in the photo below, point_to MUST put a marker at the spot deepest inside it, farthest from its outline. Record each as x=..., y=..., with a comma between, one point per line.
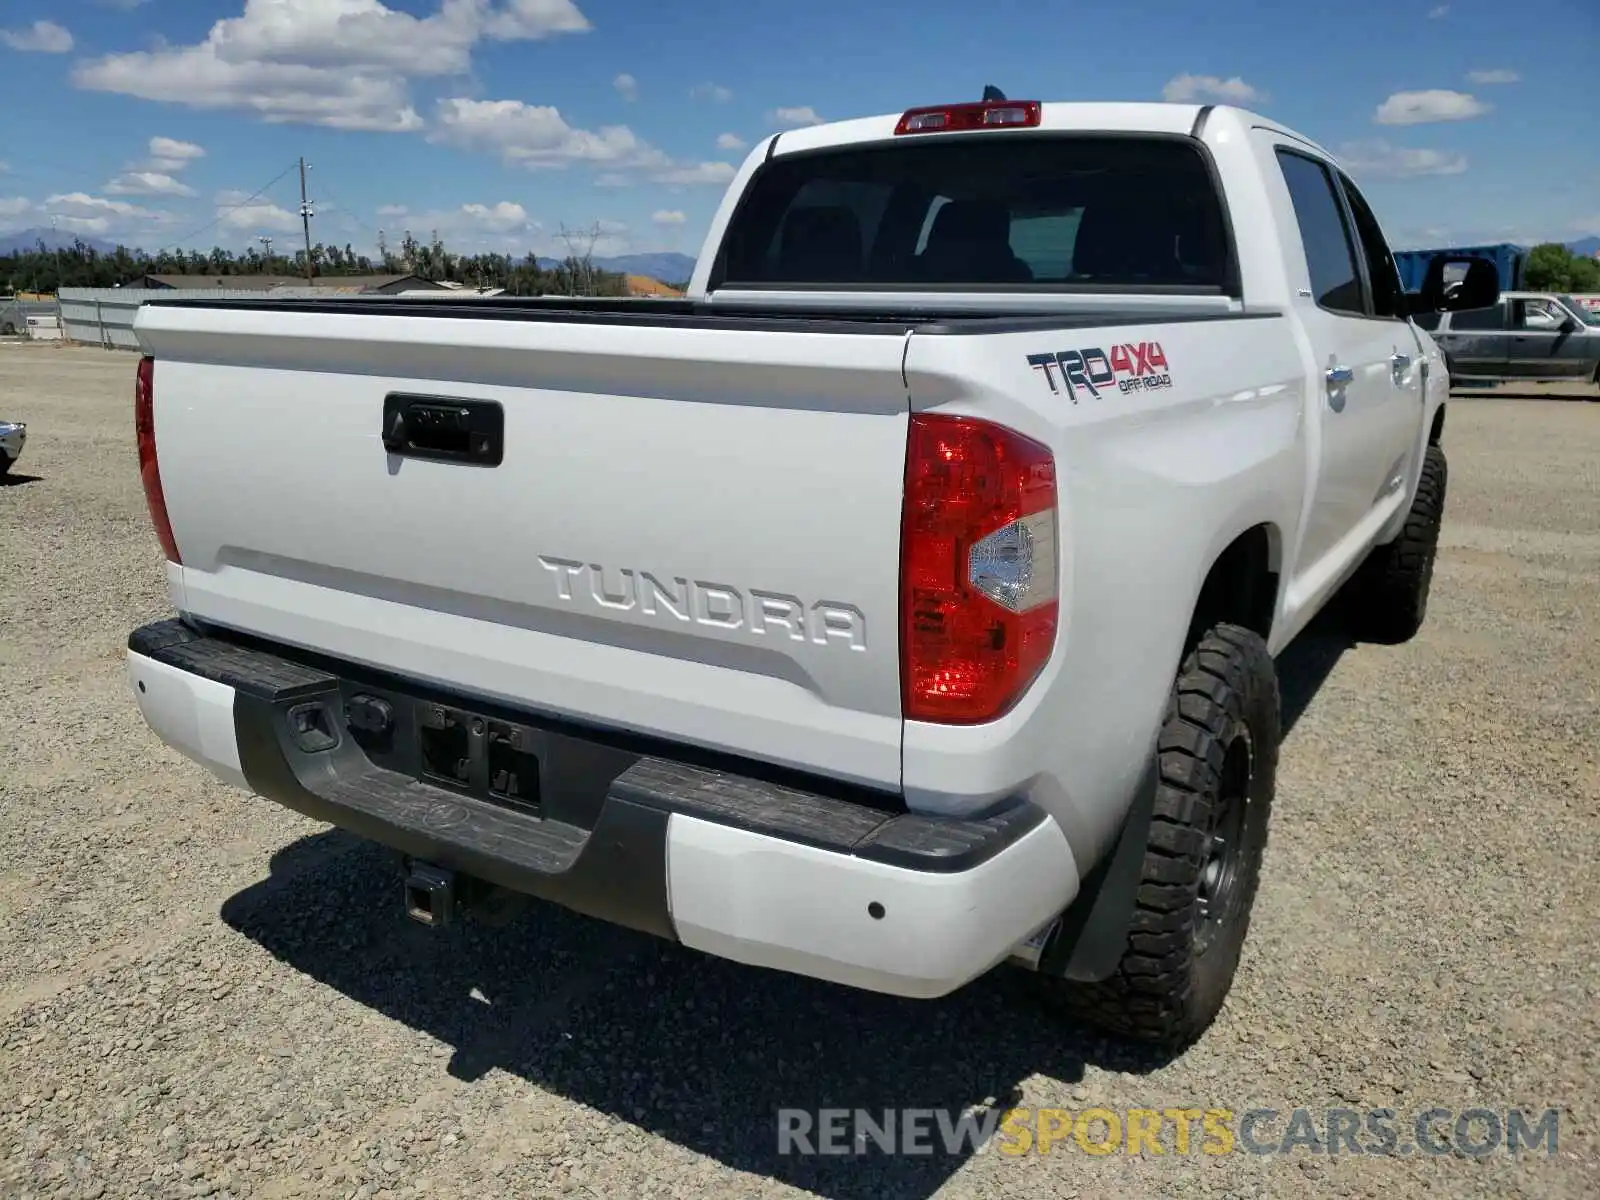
x=902, y=602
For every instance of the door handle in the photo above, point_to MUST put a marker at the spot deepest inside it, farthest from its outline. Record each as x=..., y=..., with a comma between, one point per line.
x=1341, y=375
x=445, y=430
x=1399, y=367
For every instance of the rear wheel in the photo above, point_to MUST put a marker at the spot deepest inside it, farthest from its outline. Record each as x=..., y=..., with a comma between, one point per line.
x=1389, y=595
x=1218, y=757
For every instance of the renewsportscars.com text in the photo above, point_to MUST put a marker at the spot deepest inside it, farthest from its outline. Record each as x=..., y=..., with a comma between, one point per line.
x=1434, y=1131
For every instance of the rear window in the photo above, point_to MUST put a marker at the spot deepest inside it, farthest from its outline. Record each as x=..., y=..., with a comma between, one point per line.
x=1073, y=211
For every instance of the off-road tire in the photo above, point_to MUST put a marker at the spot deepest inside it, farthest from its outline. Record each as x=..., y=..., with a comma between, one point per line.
x=1389, y=599
x=1218, y=758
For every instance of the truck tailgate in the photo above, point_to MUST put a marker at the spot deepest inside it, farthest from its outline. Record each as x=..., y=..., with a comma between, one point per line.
x=693, y=532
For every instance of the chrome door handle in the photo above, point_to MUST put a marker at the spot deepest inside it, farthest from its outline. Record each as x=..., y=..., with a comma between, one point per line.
x=1341, y=375
x=1399, y=367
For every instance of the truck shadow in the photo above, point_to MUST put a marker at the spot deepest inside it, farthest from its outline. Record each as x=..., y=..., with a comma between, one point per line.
x=1305, y=663
x=702, y=1052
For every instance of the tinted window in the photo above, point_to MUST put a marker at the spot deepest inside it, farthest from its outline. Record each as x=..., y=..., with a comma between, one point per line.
x=1388, y=298
x=990, y=209
x=1470, y=319
x=1334, y=280
x=1428, y=320
x=1046, y=242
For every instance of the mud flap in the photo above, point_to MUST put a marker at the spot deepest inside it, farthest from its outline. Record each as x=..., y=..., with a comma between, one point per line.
x=1092, y=935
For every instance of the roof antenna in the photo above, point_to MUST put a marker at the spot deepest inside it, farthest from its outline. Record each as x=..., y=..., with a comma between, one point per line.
x=990, y=92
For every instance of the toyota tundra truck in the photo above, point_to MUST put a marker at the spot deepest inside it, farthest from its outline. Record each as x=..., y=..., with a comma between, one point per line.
x=901, y=603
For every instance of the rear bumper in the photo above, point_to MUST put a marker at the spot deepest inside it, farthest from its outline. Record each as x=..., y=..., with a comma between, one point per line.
x=825, y=883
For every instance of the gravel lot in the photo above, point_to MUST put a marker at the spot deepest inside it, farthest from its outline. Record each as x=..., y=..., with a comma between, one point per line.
x=202, y=994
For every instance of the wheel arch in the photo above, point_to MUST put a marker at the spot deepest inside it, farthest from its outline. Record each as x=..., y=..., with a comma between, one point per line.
x=1241, y=585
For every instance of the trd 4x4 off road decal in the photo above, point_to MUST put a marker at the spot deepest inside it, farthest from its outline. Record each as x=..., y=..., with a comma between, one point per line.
x=1130, y=367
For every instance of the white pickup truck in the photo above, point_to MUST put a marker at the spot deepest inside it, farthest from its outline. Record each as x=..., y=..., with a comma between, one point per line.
x=902, y=602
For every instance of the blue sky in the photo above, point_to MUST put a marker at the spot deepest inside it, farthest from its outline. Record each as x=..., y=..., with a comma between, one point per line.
x=498, y=122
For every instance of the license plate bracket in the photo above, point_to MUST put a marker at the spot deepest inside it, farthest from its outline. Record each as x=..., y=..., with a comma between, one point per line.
x=483, y=757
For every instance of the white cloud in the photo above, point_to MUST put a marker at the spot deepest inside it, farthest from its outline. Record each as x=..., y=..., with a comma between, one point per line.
x=1434, y=104
x=42, y=37
x=528, y=20
x=627, y=86
x=504, y=225
x=147, y=183
x=667, y=217
x=1191, y=89
x=534, y=136
x=83, y=204
x=14, y=206
x=802, y=114
x=537, y=137
x=1498, y=75
x=1437, y=11
x=501, y=218
x=696, y=174
x=711, y=91
x=157, y=175
x=196, y=76
x=730, y=141
x=248, y=218
x=170, y=155
x=340, y=63
x=1380, y=160
x=80, y=212
x=368, y=33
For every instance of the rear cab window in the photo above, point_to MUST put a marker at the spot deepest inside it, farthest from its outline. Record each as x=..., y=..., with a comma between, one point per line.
x=1052, y=211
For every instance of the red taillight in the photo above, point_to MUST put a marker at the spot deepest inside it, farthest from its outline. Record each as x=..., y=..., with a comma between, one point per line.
x=984, y=114
x=144, y=426
x=978, y=586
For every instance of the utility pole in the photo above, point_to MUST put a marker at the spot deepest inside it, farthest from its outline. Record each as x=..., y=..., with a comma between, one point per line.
x=305, y=219
x=267, y=242
x=583, y=272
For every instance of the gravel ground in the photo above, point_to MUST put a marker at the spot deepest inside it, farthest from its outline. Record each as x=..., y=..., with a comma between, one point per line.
x=201, y=994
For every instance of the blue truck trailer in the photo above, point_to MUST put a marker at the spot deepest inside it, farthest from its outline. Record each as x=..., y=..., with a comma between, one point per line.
x=1507, y=258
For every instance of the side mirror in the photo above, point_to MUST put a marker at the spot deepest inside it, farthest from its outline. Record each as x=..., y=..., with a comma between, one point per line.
x=1475, y=284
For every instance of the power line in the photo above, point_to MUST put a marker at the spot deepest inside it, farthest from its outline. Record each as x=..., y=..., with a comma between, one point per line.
x=177, y=243
x=340, y=206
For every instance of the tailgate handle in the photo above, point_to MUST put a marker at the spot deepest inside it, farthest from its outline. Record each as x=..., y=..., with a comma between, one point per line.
x=444, y=429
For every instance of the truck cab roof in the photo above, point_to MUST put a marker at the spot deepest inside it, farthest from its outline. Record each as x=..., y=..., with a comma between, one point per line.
x=1062, y=116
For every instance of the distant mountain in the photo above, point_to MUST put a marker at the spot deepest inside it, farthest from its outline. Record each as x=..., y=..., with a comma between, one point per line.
x=1588, y=247
x=667, y=266
x=53, y=239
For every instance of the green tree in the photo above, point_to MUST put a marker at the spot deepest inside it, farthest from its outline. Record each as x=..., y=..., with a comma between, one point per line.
x=42, y=270
x=1551, y=267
